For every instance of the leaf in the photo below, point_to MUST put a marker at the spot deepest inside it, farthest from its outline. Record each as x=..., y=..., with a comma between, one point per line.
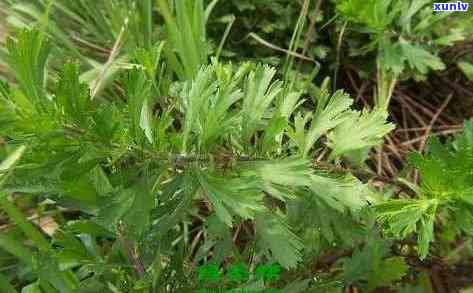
x=391, y=57
x=445, y=168
x=373, y=265
x=100, y=181
x=64, y=280
x=137, y=218
x=298, y=133
x=446, y=184
x=420, y=59
x=279, y=178
x=132, y=206
x=73, y=96
x=80, y=190
x=329, y=223
x=275, y=236
x=27, y=57
x=175, y=201
x=403, y=217
x=7, y=164
x=360, y=131
x=24, y=224
x=216, y=118
x=146, y=121
x=423, y=285
x=298, y=286
x=454, y=35
x=32, y=288
x=16, y=248
x=342, y=192
x=73, y=252
x=259, y=93
x=109, y=121
x=374, y=14
x=426, y=233
x=272, y=134
x=138, y=89
x=390, y=270
x=195, y=97
x=113, y=209
x=467, y=69
x=330, y=112
x=87, y=227
x=220, y=240
x=231, y=196
x=150, y=58
x=410, y=9
x=48, y=270
x=289, y=103
x=5, y=285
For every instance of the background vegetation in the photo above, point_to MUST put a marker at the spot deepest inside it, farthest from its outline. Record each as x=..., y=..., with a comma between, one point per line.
x=141, y=141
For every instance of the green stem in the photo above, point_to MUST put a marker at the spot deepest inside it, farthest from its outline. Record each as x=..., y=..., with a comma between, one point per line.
x=165, y=12
x=147, y=17
x=337, y=62
x=385, y=87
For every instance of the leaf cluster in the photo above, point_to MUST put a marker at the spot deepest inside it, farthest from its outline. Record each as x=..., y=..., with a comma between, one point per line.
x=135, y=166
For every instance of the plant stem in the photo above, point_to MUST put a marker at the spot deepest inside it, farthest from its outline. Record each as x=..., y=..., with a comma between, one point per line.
x=146, y=9
x=385, y=87
x=132, y=256
x=337, y=62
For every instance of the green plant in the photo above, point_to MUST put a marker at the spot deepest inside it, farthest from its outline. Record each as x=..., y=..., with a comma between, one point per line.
x=137, y=158
x=99, y=34
x=403, y=35
x=443, y=197
x=373, y=266
x=137, y=172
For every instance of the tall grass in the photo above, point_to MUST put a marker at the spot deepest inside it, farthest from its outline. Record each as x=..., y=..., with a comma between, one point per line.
x=186, y=30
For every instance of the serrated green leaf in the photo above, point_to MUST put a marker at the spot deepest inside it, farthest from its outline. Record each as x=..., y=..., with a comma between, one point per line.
x=73, y=96
x=138, y=89
x=359, y=131
x=330, y=112
x=420, y=59
x=27, y=57
x=404, y=217
x=342, y=192
x=259, y=93
x=390, y=270
x=195, y=96
x=275, y=236
x=232, y=197
x=373, y=265
x=391, y=57
x=279, y=178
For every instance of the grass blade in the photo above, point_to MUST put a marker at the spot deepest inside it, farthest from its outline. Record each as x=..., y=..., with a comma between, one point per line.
x=28, y=229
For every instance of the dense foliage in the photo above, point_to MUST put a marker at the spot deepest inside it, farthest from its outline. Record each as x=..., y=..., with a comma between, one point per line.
x=157, y=146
